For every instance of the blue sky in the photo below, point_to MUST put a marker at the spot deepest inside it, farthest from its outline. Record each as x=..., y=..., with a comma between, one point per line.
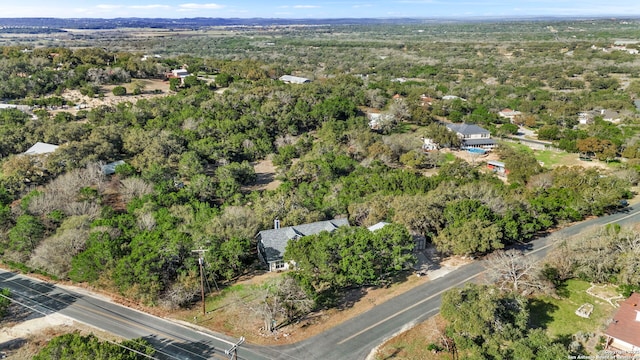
x=317, y=9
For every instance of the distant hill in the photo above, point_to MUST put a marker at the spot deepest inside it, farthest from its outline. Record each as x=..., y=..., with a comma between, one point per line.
x=196, y=23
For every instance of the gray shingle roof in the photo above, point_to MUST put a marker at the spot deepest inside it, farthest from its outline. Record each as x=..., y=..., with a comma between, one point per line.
x=275, y=240
x=467, y=129
x=478, y=142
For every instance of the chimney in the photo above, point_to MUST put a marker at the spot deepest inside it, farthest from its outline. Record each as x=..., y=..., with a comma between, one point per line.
x=276, y=224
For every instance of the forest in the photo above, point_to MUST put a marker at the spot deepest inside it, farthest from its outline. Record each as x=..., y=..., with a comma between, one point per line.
x=188, y=177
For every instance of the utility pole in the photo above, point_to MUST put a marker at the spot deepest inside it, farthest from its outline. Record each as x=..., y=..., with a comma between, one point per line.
x=233, y=351
x=201, y=263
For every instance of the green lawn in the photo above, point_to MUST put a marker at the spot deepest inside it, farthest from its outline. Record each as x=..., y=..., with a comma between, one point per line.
x=558, y=315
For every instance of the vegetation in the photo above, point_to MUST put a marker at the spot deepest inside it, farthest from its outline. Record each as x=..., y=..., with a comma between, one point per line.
x=76, y=346
x=188, y=182
x=4, y=301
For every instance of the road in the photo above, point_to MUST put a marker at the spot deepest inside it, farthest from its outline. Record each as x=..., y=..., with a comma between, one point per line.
x=354, y=339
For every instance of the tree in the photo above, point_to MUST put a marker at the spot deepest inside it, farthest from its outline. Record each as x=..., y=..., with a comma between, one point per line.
x=5, y=301
x=279, y=301
x=76, y=346
x=521, y=164
x=119, y=91
x=350, y=256
x=482, y=320
x=511, y=270
x=25, y=236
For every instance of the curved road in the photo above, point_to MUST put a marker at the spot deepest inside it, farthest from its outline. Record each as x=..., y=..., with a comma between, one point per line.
x=353, y=339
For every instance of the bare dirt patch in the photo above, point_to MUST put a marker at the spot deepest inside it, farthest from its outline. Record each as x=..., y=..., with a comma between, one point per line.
x=152, y=88
x=265, y=176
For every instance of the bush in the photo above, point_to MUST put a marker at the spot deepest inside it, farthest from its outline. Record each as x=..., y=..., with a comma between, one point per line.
x=119, y=91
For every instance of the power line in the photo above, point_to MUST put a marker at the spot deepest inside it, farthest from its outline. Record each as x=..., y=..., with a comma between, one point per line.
x=97, y=336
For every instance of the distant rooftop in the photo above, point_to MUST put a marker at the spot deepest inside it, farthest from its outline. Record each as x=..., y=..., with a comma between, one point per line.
x=41, y=148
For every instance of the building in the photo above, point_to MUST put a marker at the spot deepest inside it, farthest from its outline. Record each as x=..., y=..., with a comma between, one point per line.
x=375, y=119
x=180, y=73
x=624, y=331
x=498, y=167
x=273, y=242
x=428, y=145
x=290, y=79
x=41, y=148
x=610, y=116
x=472, y=136
x=110, y=168
x=509, y=114
x=585, y=118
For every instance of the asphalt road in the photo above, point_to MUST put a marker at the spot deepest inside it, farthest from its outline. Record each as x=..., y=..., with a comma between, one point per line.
x=354, y=339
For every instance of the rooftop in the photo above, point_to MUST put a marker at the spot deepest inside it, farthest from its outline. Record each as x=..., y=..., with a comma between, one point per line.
x=41, y=148
x=275, y=240
x=626, y=325
x=467, y=129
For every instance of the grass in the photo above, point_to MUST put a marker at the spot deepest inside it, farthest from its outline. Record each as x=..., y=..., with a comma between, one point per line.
x=558, y=316
x=550, y=158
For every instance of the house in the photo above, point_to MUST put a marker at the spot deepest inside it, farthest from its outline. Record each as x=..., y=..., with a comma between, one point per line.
x=472, y=136
x=290, y=79
x=498, y=167
x=610, y=116
x=428, y=145
x=41, y=148
x=585, y=118
x=624, y=331
x=374, y=120
x=426, y=100
x=377, y=226
x=180, y=73
x=453, y=97
x=509, y=114
x=110, y=168
x=272, y=242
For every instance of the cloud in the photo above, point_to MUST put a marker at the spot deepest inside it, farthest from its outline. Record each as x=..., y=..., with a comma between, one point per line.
x=108, y=6
x=305, y=6
x=362, y=6
x=194, y=6
x=151, y=6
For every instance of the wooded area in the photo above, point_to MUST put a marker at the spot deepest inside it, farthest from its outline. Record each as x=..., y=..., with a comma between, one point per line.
x=186, y=182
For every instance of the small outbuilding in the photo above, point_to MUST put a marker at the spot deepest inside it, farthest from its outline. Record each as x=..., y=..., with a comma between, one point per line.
x=290, y=79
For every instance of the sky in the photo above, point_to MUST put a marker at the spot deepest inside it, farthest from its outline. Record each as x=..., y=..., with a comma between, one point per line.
x=301, y=9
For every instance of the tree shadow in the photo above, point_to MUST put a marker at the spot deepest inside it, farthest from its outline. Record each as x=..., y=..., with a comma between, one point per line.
x=540, y=313
x=394, y=355
x=37, y=298
x=171, y=349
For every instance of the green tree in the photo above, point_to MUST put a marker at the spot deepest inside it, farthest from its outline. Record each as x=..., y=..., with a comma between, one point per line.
x=119, y=91
x=76, y=346
x=25, y=236
x=4, y=302
x=482, y=320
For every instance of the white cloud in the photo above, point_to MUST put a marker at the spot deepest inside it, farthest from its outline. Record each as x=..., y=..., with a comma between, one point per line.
x=192, y=6
x=151, y=6
x=305, y=6
x=108, y=6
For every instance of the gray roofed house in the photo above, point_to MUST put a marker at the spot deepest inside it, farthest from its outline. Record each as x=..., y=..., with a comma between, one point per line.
x=272, y=242
x=472, y=136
